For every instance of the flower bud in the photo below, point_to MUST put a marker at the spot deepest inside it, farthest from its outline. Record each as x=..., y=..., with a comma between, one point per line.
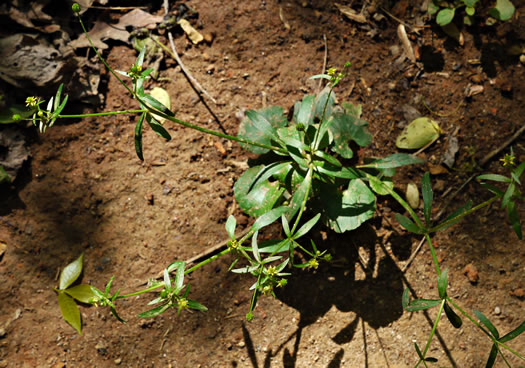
x=76, y=8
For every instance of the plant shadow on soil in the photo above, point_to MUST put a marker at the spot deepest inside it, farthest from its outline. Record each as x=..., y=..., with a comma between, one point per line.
x=359, y=280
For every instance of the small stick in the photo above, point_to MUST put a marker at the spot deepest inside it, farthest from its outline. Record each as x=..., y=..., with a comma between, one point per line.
x=413, y=255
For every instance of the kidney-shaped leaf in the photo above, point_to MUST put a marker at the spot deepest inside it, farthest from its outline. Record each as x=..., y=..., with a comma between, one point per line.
x=70, y=273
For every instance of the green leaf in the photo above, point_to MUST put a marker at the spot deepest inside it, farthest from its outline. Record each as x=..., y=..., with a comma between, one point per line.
x=299, y=196
x=508, y=195
x=492, y=356
x=353, y=110
x=405, y=300
x=514, y=219
x=138, y=137
x=470, y=11
x=268, y=171
x=157, y=127
x=345, y=128
x=307, y=227
x=325, y=97
x=260, y=199
x=156, y=104
x=445, y=16
x=4, y=176
x=494, y=177
x=6, y=115
x=167, y=280
x=519, y=170
x=163, y=97
x=58, y=96
x=192, y=304
x=231, y=224
x=470, y=3
x=268, y=218
x=83, y=293
x=286, y=226
x=140, y=58
x=304, y=111
x=380, y=186
x=418, y=351
x=514, y=333
x=70, y=273
x=432, y=8
x=408, y=224
x=457, y=213
x=443, y=283
x=394, y=160
x=503, y=11
x=260, y=126
x=484, y=320
x=70, y=311
x=419, y=133
x=454, y=319
x=321, y=76
x=345, y=210
x=255, y=247
x=452, y=31
x=274, y=246
x=155, y=311
x=422, y=304
x=179, y=276
x=426, y=188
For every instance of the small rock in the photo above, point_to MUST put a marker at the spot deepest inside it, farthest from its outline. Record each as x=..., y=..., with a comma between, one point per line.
x=522, y=58
x=476, y=78
x=497, y=311
x=208, y=37
x=518, y=293
x=118, y=361
x=150, y=198
x=241, y=344
x=210, y=69
x=101, y=348
x=472, y=273
x=3, y=333
x=439, y=185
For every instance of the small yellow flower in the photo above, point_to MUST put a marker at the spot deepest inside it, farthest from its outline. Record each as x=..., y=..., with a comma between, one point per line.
x=331, y=71
x=508, y=160
x=31, y=101
x=271, y=271
x=313, y=263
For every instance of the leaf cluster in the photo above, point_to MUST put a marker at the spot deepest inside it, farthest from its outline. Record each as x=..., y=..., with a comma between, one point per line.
x=446, y=11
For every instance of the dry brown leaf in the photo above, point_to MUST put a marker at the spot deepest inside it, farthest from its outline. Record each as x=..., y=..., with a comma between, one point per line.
x=192, y=33
x=351, y=13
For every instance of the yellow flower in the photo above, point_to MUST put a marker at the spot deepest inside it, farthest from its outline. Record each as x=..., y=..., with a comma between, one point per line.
x=508, y=160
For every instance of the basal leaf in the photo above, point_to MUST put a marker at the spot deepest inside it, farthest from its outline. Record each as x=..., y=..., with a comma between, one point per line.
x=353, y=110
x=345, y=210
x=445, y=16
x=304, y=111
x=83, y=293
x=299, y=196
x=257, y=200
x=70, y=273
x=70, y=311
x=454, y=319
x=345, y=128
x=260, y=126
x=394, y=160
x=325, y=97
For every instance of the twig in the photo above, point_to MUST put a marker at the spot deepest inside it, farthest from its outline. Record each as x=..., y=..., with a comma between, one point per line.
x=413, y=255
x=324, y=63
x=493, y=153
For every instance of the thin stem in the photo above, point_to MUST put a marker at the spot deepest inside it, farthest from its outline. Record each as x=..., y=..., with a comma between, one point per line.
x=303, y=204
x=459, y=217
x=208, y=260
x=317, y=132
x=101, y=114
x=434, y=327
x=433, y=252
x=147, y=290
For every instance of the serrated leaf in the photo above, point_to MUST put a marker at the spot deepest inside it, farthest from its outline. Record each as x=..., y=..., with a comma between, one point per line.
x=408, y=224
x=514, y=333
x=83, y=293
x=138, y=137
x=419, y=133
x=484, y=320
x=155, y=311
x=504, y=10
x=260, y=199
x=345, y=128
x=428, y=196
x=231, y=224
x=393, y=161
x=422, y=304
x=445, y=16
x=70, y=311
x=454, y=319
x=70, y=273
x=442, y=284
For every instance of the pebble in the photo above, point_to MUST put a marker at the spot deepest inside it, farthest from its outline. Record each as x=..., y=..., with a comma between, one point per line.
x=118, y=361
x=497, y=311
x=472, y=273
x=522, y=58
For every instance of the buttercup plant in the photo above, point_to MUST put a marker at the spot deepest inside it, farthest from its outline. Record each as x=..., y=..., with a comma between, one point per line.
x=304, y=180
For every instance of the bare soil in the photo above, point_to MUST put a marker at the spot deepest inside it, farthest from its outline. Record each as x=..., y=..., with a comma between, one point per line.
x=84, y=190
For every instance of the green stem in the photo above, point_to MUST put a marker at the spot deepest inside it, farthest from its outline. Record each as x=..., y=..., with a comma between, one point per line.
x=303, y=204
x=147, y=290
x=317, y=132
x=459, y=217
x=434, y=328
x=433, y=252
x=101, y=114
x=207, y=260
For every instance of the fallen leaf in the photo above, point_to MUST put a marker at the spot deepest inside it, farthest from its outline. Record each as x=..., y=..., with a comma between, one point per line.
x=412, y=195
x=351, y=13
x=437, y=169
x=163, y=97
x=191, y=32
x=419, y=133
x=453, y=147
